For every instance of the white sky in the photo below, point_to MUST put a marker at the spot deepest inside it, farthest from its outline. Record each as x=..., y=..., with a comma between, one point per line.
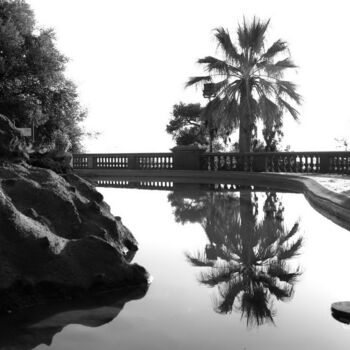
x=132, y=58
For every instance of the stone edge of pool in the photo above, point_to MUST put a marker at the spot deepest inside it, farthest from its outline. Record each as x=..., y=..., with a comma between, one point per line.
x=334, y=206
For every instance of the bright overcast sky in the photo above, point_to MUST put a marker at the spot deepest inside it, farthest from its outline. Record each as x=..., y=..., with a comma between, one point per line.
x=132, y=58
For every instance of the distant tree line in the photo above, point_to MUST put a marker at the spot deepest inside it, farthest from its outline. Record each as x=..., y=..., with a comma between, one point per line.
x=33, y=87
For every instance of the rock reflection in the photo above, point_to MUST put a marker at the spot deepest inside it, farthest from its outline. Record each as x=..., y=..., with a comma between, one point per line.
x=30, y=328
x=248, y=256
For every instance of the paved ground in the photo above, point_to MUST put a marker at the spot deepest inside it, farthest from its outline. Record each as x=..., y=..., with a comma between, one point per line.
x=336, y=183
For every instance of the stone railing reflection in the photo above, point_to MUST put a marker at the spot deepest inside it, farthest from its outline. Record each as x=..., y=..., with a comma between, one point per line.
x=288, y=162
x=120, y=182
x=144, y=184
x=192, y=158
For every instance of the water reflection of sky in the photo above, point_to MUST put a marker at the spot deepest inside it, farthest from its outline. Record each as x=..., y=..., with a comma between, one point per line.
x=177, y=312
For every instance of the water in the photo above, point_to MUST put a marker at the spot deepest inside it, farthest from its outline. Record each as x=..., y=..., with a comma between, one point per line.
x=277, y=277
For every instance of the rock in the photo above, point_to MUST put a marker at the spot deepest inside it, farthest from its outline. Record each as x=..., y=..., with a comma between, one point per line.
x=57, y=243
x=49, y=160
x=341, y=311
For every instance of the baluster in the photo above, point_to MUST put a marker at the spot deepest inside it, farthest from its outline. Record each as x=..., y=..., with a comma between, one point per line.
x=306, y=164
x=341, y=165
x=215, y=163
x=293, y=164
x=347, y=159
x=335, y=163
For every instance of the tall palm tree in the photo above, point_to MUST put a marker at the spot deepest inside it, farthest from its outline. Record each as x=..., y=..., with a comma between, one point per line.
x=248, y=260
x=248, y=82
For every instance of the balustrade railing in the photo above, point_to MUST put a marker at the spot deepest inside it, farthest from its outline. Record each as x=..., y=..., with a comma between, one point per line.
x=287, y=162
x=123, y=161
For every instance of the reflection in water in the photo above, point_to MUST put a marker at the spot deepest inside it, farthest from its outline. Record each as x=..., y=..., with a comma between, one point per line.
x=32, y=327
x=247, y=258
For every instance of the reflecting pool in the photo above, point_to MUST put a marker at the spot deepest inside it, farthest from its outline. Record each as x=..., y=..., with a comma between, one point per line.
x=232, y=269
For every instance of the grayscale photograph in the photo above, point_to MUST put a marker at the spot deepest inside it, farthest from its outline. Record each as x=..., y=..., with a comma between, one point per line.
x=174, y=175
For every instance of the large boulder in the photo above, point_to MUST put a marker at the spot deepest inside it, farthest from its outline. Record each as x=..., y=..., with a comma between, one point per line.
x=58, y=239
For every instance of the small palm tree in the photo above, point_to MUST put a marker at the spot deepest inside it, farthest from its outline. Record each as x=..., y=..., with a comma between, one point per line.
x=247, y=260
x=248, y=82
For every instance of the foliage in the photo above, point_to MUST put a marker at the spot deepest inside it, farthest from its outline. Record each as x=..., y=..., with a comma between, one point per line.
x=273, y=135
x=246, y=258
x=60, y=141
x=186, y=126
x=247, y=83
x=33, y=87
x=191, y=125
x=342, y=143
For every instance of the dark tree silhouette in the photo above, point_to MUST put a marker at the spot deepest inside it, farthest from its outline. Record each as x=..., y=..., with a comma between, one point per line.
x=33, y=87
x=248, y=81
x=190, y=124
x=246, y=259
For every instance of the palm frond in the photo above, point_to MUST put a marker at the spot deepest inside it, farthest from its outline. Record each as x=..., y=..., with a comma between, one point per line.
x=286, y=63
x=279, y=270
x=214, y=65
x=280, y=292
x=267, y=87
x=256, y=307
x=290, y=251
x=219, y=87
x=199, y=260
x=197, y=80
x=288, y=88
x=218, y=274
x=278, y=46
x=276, y=69
x=228, y=293
x=269, y=111
x=290, y=109
x=291, y=233
x=251, y=36
x=225, y=42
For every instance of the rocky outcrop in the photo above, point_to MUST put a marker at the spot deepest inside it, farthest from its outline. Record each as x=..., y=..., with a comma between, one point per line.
x=58, y=239
x=57, y=161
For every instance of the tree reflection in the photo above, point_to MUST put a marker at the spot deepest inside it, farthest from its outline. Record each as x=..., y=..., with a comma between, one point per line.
x=248, y=256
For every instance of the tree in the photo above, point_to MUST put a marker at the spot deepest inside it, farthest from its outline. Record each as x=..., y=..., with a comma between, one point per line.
x=248, y=81
x=343, y=143
x=186, y=126
x=246, y=258
x=191, y=124
x=33, y=87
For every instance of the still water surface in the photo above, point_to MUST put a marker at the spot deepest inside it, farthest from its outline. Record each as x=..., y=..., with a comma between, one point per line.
x=231, y=270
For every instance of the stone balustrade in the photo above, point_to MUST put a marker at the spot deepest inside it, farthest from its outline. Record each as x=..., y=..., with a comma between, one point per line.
x=287, y=162
x=192, y=158
x=123, y=161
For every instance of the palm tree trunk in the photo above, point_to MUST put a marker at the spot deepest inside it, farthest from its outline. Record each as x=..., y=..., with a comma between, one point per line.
x=247, y=223
x=244, y=133
x=245, y=130
x=211, y=140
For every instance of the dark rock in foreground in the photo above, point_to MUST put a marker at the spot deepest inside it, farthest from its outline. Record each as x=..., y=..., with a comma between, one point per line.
x=58, y=239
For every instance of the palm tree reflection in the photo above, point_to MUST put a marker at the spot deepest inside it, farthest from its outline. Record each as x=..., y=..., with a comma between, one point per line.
x=247, y=258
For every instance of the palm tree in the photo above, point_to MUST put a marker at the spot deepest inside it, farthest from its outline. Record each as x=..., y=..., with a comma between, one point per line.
x=248, y=260
x=248, y=82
